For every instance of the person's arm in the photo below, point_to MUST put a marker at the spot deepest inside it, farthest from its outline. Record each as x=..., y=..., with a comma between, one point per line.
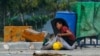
x=65, y=34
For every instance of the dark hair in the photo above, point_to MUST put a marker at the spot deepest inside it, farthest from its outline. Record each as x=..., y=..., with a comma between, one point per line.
x=61, y=21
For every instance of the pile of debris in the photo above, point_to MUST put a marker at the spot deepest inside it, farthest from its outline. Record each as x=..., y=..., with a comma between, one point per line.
x=49, y=54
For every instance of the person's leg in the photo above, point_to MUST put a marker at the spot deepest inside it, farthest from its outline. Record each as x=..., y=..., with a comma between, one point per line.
x=49, y=44
x=66, y=45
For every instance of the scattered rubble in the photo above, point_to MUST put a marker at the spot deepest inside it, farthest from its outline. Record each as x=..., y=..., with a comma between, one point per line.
x=49, y=54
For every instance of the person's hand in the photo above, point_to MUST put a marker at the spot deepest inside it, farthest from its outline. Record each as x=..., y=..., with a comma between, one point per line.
x=59, y=35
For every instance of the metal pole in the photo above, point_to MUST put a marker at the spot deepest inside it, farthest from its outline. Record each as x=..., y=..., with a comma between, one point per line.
x=41, y=24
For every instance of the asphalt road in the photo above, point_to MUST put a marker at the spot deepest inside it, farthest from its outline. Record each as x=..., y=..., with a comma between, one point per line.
x=22, y=49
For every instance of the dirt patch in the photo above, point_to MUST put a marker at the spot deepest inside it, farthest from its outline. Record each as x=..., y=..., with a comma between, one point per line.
x=49, y=54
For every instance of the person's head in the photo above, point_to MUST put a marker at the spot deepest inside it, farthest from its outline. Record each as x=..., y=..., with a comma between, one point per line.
x=59, y=22
x=59, y=25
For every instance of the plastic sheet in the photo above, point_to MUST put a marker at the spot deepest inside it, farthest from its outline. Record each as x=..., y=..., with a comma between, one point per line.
x=88, y=19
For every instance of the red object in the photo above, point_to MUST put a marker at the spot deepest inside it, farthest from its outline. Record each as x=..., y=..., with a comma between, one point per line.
x=64, y=29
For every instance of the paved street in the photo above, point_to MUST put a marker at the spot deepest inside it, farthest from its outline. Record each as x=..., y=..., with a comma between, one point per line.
x=22, y=49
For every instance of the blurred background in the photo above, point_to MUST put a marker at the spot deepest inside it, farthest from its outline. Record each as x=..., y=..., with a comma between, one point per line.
x=35, y=13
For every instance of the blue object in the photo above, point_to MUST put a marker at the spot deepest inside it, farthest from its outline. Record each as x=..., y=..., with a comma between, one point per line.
x=70, y=18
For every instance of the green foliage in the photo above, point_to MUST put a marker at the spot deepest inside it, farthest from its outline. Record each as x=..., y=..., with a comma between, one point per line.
x=54, y=5
x=28, y=6
x=51, y=5
x=12, y=12
x=62, y=5
x=37, y=21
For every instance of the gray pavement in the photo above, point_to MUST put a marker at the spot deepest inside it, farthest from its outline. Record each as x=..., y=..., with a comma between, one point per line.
x=23, y=49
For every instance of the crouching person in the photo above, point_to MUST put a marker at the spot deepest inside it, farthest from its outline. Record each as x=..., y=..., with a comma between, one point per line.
x=65, y=36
